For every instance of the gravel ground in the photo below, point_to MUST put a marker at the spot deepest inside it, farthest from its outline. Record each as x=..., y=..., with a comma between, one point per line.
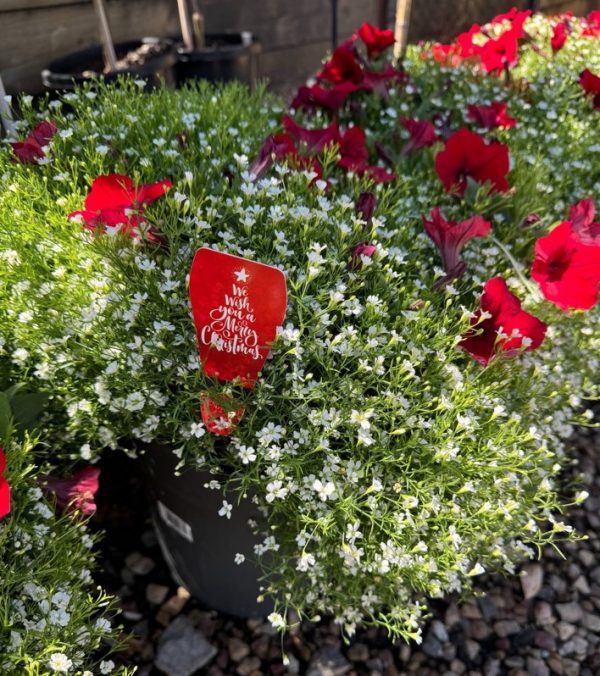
x=543, y=623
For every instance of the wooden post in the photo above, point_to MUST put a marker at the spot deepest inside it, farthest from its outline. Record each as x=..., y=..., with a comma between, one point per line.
x=401, y=27
x=110, y=58
x=198, y=25
x=5, y=112
x=187, y=31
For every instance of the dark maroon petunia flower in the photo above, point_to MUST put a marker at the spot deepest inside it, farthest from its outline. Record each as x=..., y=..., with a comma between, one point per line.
x=500, y=326
x=314, y=140
x=311, y=98
x=590, y=84
x=31, y=149
x=492, y=116
x=360, y=254
x=582, y=217
x=342, y=66
x=273, y=148
x=466, y=154
x=422, y=134
x=365, y=206
x=376, y=40
x=76, y=492
x=114, y=204
x=451, y=236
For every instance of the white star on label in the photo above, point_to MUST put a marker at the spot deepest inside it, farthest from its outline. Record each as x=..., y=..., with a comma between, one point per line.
x=242, y=275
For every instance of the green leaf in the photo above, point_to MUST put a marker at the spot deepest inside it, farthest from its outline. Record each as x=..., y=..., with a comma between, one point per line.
x=5, y=415
x=27, y=408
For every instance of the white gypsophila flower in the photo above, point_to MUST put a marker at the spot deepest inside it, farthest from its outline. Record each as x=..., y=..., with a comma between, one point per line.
x=226, y=510
x=59, y=663
x=239, y=558
x=325, y=490
x=107, y=666
x=247, y=454
x=276, y=620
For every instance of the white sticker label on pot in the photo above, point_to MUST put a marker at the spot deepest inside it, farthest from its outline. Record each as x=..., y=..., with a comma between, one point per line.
x=175, y=522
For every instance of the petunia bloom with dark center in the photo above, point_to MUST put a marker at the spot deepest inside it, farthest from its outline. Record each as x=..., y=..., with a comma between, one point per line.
x=114, y=204
x=76, y=492
x=567, y=268
x=342, y=66
x=451, y=236
x=500, y=326
x=465, y=155
x=31, y=149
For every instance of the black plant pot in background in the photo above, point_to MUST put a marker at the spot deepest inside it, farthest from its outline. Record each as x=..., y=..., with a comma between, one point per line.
x=155, y=56
x=227, y=56
x=198, y=544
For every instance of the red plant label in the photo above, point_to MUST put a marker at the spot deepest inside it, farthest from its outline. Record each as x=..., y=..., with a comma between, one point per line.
x=237, y=306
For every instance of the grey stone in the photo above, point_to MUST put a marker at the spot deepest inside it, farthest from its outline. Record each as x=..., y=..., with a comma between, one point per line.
x=182, y=650
x=582, y=586
x=491, y=667
x=156, y=593
x=139, y=564
x=545, y=641
x=472, y=648
x=432, y=647
x=248, y=665
x=237, y=649
x=504, y=628
x=532, y=580
x=479, y=630
x=358, y=652
x=570, y=612
x=457, y=667
x=439, y=631
x=565, y=630
x=543, y=613
x=592, y=622
x=587, y=558
x=536, y=667
x=571, y=667
x=328, y=661
x=575, y=646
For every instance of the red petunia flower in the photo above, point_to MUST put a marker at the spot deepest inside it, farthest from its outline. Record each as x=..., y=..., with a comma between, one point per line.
x=451, y=236
x=116, y=205
x=355, y=156
x=314, y=140
x=273, y=148
x=591, y=85
x=467, y=154
x=342, y=66
x=311, y=98
x=217, y=419
x=559, y=36
x=592, y=24
x=375, y=39
x=492, y=116
x=500, y=326
x=365, y=206
x=4, y=488
x=582, y=218
x=76, y=492
x=422, y=134
x=567, y=269
x=31, y=149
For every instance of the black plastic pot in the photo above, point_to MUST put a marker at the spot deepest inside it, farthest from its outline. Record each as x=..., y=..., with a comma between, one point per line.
x=83, y=66
x=227, y=56
x=198, y=544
